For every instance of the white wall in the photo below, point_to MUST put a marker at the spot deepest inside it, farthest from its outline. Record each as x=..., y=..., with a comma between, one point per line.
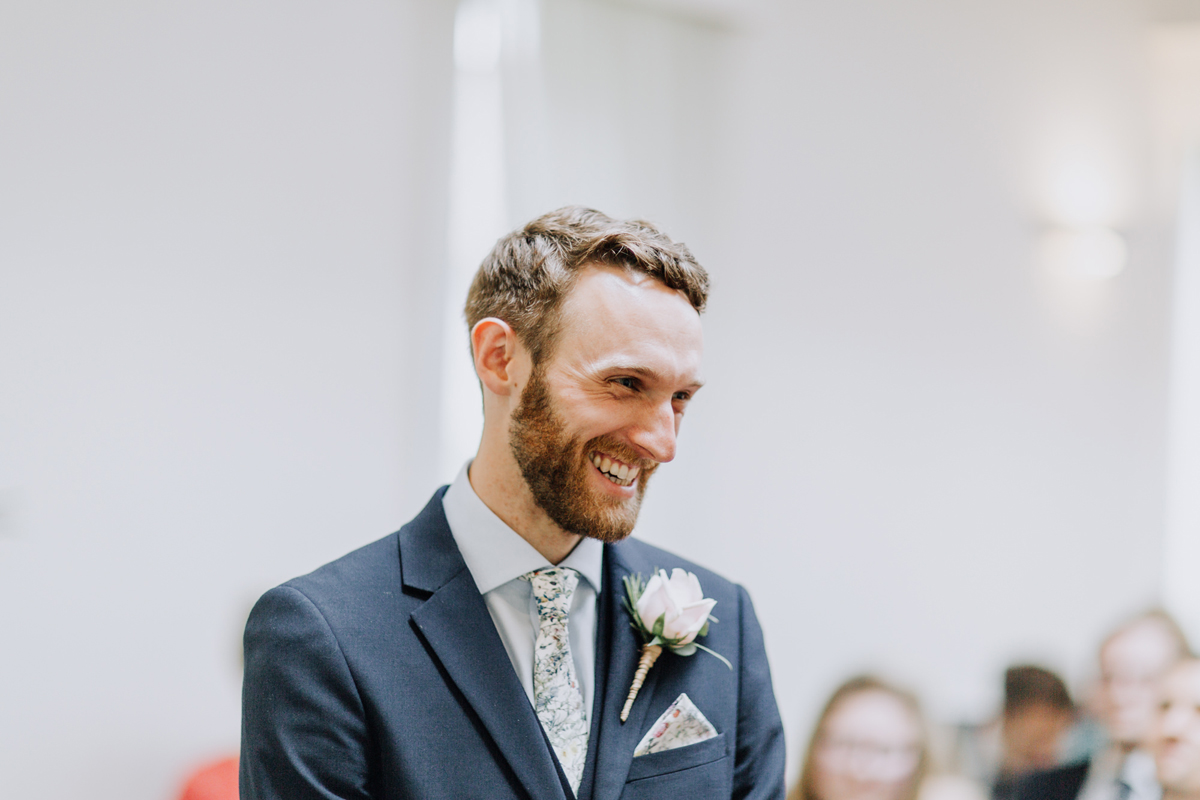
x=219, y=226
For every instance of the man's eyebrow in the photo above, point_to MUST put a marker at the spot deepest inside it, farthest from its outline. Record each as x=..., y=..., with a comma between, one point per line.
x=644, y=372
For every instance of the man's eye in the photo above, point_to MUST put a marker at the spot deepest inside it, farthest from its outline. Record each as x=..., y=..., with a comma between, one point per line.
x=628, y=383
x=684, y=396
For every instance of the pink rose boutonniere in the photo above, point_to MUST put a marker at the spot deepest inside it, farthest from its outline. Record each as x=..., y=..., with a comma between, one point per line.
x=667, y=612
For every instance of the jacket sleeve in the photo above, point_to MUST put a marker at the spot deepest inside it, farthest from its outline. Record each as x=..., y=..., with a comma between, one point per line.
x=760, y=758
x=304, y=733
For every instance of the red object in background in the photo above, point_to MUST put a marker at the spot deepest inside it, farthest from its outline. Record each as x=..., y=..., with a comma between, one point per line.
x=215, y=781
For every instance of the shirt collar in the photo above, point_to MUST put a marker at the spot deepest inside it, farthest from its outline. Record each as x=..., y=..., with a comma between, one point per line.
x=495, y=553
x=1139, y=772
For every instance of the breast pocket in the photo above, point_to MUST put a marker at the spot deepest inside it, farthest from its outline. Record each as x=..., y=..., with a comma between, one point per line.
x=699, y=770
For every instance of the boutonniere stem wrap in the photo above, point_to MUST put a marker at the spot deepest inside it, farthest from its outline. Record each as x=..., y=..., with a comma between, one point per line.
x=668, y=612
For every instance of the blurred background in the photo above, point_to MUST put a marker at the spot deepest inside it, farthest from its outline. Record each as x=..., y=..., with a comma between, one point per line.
x=952, y=418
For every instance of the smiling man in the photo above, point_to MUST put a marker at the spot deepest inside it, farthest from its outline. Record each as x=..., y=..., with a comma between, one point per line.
x=483, y=650
x=1176, y=738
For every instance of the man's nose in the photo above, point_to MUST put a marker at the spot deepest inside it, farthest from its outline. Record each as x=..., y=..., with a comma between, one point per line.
x=656, y=432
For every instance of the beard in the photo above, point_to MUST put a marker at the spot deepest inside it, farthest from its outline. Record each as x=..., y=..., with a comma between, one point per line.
x=555, y=466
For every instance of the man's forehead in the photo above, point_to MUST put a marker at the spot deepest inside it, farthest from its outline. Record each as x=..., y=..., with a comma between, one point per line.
x=1145, y=640
x=613, y=286
x=1131, y=663
x=615, y=319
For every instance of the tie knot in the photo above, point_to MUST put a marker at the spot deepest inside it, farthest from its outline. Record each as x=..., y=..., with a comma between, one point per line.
x=553, y=589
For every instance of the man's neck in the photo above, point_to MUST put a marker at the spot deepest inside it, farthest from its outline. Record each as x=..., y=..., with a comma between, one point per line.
x=499, y=484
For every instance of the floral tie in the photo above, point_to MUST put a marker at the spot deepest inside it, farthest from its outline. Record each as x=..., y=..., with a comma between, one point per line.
x=556, y=692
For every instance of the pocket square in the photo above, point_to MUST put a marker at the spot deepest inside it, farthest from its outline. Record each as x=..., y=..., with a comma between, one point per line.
x=680, y=725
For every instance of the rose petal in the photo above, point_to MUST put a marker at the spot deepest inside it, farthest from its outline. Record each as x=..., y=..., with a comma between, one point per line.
x=691, y=619
x=680, y=588
x=669, y=597
x=653, y=602
x=699, y=611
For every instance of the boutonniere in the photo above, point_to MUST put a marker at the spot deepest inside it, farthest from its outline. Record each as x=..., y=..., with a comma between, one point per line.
x=667, y=612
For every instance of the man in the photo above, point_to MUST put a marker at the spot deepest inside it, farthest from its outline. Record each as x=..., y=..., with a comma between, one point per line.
x=483, y=650
x=1028, y=736
x=1038, y=713
x=1177, y=733
x=1133, y=661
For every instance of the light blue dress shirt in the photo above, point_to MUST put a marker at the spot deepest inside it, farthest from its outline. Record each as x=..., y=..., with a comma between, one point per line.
x=497, y=557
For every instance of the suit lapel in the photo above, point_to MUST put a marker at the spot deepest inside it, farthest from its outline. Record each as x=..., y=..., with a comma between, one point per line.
x=455, y=624
x=612, y=742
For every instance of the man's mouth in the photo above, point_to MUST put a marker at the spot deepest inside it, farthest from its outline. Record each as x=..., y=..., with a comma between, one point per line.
x=618, y=472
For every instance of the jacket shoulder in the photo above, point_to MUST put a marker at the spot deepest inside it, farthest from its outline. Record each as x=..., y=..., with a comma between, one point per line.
x=1060, y=783
x=374, y=570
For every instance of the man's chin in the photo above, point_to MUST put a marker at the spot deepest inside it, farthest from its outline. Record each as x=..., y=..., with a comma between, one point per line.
x=608, y=530
x=609, y=525
x=609, y=535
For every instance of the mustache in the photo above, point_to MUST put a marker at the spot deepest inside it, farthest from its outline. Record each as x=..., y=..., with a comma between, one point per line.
x=622, y=451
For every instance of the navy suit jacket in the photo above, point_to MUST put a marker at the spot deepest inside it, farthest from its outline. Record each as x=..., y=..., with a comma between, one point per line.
x=1059, y=783
x=382, y=675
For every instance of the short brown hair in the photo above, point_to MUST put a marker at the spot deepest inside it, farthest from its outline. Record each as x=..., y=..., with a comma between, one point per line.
x=529, y=272
x=1028, y=685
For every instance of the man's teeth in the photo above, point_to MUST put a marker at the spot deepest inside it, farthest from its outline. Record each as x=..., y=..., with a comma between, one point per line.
x=615, y=471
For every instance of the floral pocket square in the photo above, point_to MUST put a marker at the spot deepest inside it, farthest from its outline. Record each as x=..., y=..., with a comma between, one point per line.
x=680, y=725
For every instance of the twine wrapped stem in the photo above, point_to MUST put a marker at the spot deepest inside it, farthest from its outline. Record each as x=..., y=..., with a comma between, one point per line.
x=650, y=654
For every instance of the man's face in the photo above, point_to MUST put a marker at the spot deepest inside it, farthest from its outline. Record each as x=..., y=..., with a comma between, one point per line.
x=1177, y=730
x=1131, y=665
x=1032, y=737
x=603, y=410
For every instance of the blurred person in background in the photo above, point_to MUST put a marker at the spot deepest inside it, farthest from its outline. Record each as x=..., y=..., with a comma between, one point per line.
x=1133, y=660
x=1029, y=734
x=217, y=780
x=870, y=743
x=1038, y=714
x=1176, y=737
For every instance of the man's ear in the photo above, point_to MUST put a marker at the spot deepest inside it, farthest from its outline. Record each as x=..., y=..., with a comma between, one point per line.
x=494, y=345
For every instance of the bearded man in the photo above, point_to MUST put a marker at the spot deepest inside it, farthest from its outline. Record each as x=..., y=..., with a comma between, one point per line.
x=484, y=650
